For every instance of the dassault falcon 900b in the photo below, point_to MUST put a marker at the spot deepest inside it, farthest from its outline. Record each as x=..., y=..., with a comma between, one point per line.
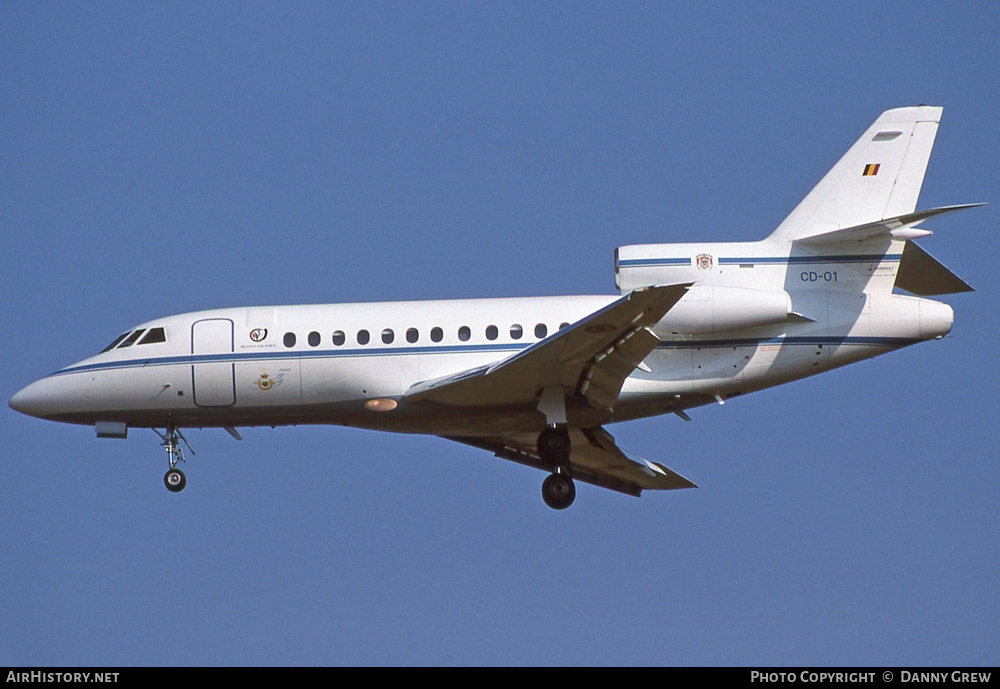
x=534, y=380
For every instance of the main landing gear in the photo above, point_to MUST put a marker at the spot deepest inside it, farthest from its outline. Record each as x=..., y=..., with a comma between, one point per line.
x=558, y=489
x=174, y=479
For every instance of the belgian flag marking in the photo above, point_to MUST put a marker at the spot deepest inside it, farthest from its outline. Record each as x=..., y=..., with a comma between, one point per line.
x=871, y=169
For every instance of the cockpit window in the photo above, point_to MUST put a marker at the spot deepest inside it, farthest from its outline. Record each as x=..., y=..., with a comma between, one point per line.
x=130, y=340
x=115, y=343
x=153, y=336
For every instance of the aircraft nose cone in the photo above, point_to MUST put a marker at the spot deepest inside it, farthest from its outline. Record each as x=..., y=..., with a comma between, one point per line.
x=36, y=400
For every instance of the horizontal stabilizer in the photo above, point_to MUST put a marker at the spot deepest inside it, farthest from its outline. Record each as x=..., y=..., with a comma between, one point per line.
x=900, y=227
x=921, y=274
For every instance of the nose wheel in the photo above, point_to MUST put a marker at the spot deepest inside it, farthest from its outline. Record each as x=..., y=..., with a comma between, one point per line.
x=174, y=479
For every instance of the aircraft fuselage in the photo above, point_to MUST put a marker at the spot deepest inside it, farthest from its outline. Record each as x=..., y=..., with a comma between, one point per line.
x=351, y=364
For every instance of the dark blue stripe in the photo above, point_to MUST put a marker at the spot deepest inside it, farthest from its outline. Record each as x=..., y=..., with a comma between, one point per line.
x=813, y=260
x=864, y=341
x=647, y=262
x=275, y=355
x=272, y=355
x=763, y=260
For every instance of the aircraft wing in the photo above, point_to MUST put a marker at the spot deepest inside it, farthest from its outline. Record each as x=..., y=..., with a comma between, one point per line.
x=592, y=358
x=595, y=458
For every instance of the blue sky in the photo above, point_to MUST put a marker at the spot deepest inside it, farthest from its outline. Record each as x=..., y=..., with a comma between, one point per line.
x=168, y=157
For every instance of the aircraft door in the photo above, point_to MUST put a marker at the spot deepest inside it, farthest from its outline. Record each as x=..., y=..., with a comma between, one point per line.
x=213, y=381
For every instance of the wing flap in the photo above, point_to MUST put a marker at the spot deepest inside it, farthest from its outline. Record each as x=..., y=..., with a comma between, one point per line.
x=601, y=454
x=605, y=374
x=595, y=458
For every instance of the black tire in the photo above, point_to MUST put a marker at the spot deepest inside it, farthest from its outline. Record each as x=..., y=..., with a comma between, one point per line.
x=175, y=480
x=558, y=491
x=554, y=445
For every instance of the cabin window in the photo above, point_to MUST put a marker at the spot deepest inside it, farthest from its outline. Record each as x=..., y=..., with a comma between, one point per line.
x=563, y=326
x=388, y=336
x=363, y=337
x=412, y=335
x=437, y=334
x=541, y=331
x=464, y=333
x=154, y=336
x=516, y=331
x=130, y=340
x=115, y=343
x=314, y=339
x=289, y=339
x=491, y=332
x=339, y=338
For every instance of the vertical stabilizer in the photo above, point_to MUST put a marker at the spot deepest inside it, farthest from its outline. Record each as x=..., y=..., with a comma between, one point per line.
x=879, y=177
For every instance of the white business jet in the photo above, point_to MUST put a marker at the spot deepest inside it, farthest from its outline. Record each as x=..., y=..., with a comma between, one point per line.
x=535, y=380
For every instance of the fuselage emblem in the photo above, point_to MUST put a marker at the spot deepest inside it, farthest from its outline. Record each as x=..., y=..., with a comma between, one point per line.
x=703, y=261
x=258, y=334
x=266, y=381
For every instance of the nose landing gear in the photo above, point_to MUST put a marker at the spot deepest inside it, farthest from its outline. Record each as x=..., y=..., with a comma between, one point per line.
x=174, y=479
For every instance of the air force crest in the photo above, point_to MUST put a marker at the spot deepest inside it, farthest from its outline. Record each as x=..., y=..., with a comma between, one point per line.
x=703, y=261
x=265, y=381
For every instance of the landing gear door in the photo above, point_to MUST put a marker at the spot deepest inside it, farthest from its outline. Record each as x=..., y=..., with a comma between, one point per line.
x=212, y=373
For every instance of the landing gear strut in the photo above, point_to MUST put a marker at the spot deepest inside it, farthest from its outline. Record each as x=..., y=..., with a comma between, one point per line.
x=558, y=490
x=174, y=479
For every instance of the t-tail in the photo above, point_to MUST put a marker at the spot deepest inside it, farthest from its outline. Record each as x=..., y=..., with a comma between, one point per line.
x=827, y=281
x=866, y=204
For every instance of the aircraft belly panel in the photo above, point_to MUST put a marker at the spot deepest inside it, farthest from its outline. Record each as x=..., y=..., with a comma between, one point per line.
x=723, y=362
x=768, y=364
